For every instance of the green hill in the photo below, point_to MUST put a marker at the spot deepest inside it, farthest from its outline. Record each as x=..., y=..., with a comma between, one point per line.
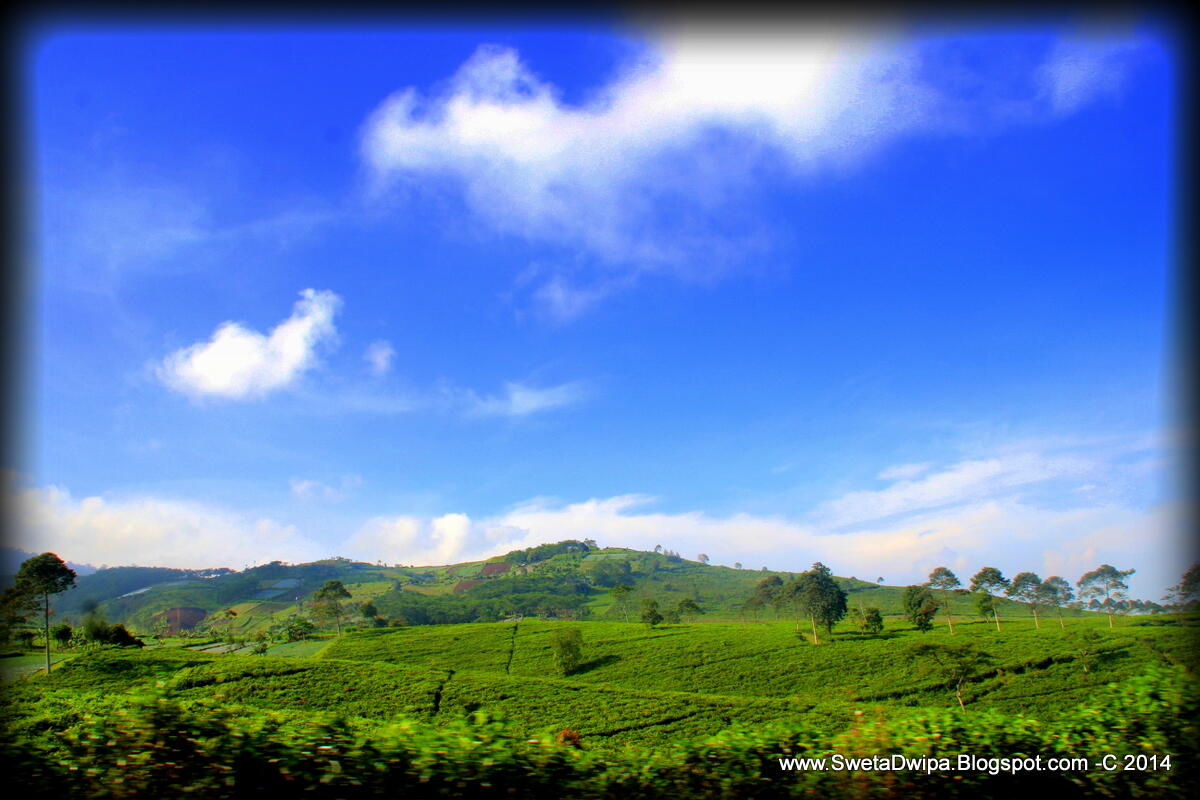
x=567, y=580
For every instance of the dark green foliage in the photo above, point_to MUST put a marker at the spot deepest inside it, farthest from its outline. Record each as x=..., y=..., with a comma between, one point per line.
x=61, y=633
x=568, y=649
x=817, y=595
x=688, y=608
x=1105, y=585
x=1186, y=593
x=40, y=577
x=650, y=613
x=298, y=629
x=920, y=606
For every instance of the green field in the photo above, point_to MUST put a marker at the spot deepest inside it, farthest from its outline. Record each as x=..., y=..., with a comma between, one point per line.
x=640, y=693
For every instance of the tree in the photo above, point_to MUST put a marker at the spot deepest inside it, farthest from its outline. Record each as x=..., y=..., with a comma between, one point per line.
x=298, y=629
x=1055, y=592
x=737, y=565
x=702, y=558
x=987, y=582
x=1025, y=587
x=766, y=592
x=62, y=634
x=327, y=601
x=942, y=578
x=1107, y=582
x=1186, y=593
x=368, y=610
x=620, y=594
x=818, y=595
x=42, y=576
x=919, y=606
x=868, y=620
x=688, y=608
x=228, y=616
x=954, y=664
x=16, y=608
x=650, y=614
x=568, y=650
x=95, y=626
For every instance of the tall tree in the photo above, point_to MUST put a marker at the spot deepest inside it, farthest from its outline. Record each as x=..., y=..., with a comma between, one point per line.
x=42, y=576
x=1108, y=582
x=1186, y=593
x=767, y=591
x=620, y=593
x=818, y=595
x=919, y=606
x=1056, y=592
x=328, y=600
x=1024, y=587
x=988, y=582
x=942, y=578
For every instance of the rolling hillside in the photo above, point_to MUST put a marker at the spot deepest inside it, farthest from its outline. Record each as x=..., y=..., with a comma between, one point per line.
x=569, y=580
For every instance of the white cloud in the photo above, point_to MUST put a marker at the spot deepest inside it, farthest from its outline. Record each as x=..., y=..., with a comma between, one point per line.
x=411, y=540
x=150, y=531
x=379, y=356
x=1007, y=534
x=649, y=174
x=959, y=483
x=901, y=472
x=1081, y=69
x=594, y=175
x=519, y=400
x=239, y=363
x=307, y=489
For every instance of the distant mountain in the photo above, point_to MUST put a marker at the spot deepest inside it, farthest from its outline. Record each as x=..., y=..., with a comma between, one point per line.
x=11, y=559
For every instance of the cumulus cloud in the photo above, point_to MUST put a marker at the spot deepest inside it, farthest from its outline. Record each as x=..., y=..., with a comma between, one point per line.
x=150, y=531
x=378, y=356
x=649, y=173
x=594, y=175
x=1011, y=535
x=238, y=363
x=412, y=540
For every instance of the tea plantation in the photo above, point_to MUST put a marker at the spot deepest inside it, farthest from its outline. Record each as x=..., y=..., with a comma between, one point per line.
x=699, y=709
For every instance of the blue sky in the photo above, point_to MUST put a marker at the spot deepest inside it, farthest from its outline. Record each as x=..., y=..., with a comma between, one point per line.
x=889, y=297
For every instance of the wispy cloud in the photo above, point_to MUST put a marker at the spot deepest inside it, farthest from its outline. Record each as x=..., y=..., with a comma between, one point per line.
x=520, y=400
x=959, y=483
x=238, y=363
x=649, y=174
x=309, y=489
x=901, y=472
x=1081, y=69
x=379, y=356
